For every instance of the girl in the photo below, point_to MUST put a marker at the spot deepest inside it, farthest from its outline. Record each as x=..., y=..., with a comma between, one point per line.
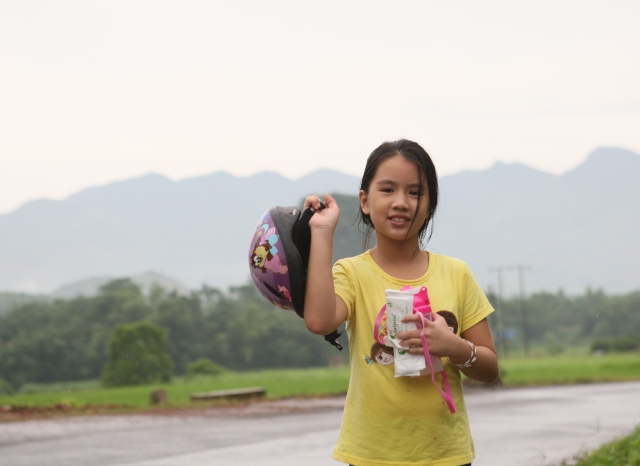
x=404, y=420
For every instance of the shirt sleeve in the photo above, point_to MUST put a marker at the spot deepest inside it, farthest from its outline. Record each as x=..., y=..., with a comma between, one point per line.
x=344, y=286
x=476, y=303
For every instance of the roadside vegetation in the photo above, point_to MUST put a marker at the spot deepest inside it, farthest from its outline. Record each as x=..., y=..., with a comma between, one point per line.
x=622, y=452
x=323, y=381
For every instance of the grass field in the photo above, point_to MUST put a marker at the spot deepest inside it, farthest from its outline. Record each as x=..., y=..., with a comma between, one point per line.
x=569, y=369
x=278, y=383
x=321, y=382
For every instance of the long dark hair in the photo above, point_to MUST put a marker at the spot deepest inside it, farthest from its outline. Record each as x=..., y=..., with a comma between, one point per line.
x=426, y=173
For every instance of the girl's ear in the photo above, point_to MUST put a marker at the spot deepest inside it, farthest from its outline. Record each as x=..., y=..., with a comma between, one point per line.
x=363, y=202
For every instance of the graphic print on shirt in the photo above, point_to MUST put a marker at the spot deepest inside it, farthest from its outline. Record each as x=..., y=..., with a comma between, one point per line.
x=382, y=354
x=452, y=322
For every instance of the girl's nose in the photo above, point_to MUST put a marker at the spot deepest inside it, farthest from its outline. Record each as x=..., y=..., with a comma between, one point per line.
x=400, y=201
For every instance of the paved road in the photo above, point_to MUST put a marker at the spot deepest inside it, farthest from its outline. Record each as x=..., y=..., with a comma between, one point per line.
x=529, y=427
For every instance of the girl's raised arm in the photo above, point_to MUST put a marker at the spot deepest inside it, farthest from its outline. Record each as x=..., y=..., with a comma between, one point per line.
x=324, y=311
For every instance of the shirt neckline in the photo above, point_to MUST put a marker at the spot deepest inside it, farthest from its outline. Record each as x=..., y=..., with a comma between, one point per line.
x=399, y=281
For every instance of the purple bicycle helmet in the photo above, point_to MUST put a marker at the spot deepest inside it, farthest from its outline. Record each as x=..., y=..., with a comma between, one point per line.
x=279, y=257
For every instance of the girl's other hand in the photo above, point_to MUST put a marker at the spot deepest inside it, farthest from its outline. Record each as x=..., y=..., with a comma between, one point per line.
x=441, y=340
x=324, y=218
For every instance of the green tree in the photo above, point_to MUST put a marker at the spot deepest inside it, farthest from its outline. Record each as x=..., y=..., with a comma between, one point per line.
x=121, y=301
x=138, y=354
x=181, y=317
x=245, y=332
x=18, y=354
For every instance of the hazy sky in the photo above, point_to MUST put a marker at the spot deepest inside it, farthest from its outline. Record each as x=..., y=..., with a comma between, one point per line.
x=97, y=91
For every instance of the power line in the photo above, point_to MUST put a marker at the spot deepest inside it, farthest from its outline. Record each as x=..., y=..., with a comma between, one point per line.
x=501, y=342
x=523, y=309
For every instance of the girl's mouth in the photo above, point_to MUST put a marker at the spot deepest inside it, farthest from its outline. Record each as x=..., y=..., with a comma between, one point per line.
x=400, y=221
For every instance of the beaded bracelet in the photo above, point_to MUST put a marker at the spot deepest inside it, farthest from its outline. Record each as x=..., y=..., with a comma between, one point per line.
x=471, y=360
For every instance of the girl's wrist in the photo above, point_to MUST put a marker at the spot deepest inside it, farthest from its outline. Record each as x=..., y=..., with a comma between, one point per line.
x=471, y=351
x=322, y=230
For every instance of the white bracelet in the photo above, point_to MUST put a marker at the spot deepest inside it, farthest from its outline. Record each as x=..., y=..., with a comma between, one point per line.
x=471, y=360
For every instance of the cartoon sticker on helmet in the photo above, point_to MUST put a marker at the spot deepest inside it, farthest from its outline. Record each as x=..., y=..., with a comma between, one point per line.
x=265, y=253
x=284, y=292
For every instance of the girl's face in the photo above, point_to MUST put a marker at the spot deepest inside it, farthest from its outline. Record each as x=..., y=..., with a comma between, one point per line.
x=393, y=202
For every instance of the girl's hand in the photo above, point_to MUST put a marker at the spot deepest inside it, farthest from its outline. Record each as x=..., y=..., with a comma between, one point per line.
x=324, y=218
x=441, y=340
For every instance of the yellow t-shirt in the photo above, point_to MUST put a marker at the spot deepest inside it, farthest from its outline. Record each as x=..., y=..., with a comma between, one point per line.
x=403, y=420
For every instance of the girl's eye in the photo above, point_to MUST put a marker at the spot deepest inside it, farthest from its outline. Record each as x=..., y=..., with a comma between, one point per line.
x=386, y=190
x=414, y=193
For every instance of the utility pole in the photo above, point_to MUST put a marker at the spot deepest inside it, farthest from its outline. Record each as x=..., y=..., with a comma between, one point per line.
x=523, y=307
x=501, y=342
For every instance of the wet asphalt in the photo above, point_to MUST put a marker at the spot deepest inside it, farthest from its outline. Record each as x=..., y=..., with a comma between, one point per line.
x=526, y=426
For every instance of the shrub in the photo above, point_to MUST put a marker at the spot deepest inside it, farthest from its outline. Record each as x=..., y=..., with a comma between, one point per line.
x=625, y=344
x=204, y=366
x=619, y=344
x=603, y=346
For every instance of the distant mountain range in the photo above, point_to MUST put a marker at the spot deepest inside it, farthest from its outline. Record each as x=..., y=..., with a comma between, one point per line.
x=573, y=231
